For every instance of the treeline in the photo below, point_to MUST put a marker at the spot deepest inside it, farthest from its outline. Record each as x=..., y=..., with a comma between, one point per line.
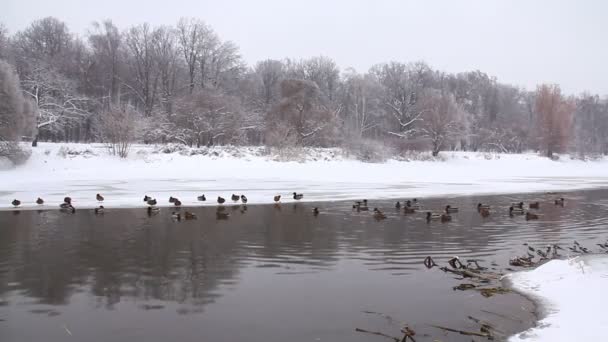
x=185, y=84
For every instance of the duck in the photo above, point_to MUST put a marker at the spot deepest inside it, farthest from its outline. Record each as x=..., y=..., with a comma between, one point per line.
x=530, y=216
x=361, y=205
x=220, y=215
x=446, y=218
x=397, y=205
x=515, y=211
x=534, y=205
x=67, y=208
x=244, y=199
x=484, y=212
x=176, y=216
x=39, y=201
x=450, y=209
x=315, y=211
x=297, y=196
x=221, y=200
x=432, y=216
x=202, y=198
x=172, y=199
x=559, y=201
x=99, y=198
x=189, y=216
x=235, y=198
x=151, y=201
x=16, y=203
x=153, y=210
x=147, y=198
x=277, y=198
x=100, y=210
x=379, y=215
x=67, y=200
x=411, y=204
x=408, y=210
x=517, y=205
x=177, y=202
x=481, y=206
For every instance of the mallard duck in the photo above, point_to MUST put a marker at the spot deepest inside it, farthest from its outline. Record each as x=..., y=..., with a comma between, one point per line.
x=315, y=211
x=450, y=209
x=534, y=205
x=67, y=200
x=147, y=198
x=176, y=216
x=16, y=203
x=484, y=212
x=277, y=198
x=446, y=218
x=481, y=206
x=517, y=205
x=530, y=216
x=432, y=216
x=379, y=215
x=397, y=205
x=559, y=201
x=99, y=198
x=408, y=210
x=67, y=208
x=177, y=202
x=235, y=198
x=100, y=210
x=515, y=211
x=297, y=196
x=221, y=200
x=243, y=199
x=202, y=198
x=172, y=199
x=151, y=201
x=39, y=201
x=414, y=205
x=153, y=210
x=189, y=216
x=220, y=215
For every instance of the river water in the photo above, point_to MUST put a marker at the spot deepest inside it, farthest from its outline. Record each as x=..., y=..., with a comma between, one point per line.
x=271, y=273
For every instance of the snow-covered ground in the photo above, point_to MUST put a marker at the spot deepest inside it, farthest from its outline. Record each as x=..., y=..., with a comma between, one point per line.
x=573, y=297
x=54, y=172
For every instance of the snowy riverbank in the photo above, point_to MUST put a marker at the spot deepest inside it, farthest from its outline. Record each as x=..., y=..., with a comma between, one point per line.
x=571, y=294
x=54, y=171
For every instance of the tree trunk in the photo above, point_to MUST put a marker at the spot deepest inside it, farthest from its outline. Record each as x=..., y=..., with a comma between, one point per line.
x=35, y=141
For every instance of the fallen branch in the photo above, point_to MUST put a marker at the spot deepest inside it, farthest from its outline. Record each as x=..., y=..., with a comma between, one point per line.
x=378, y=334
x=463, y=332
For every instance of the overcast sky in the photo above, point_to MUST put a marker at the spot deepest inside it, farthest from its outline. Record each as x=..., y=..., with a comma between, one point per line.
x=521, y=42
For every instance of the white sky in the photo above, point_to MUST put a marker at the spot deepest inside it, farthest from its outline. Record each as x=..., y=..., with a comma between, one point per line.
x=522, y=42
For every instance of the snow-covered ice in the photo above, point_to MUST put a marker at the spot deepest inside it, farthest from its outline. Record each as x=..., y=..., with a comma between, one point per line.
x=325, y=175
x=572, y=294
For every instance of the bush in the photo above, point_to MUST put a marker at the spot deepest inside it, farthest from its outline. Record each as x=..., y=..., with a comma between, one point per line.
x=369, y=150
x=13, y=153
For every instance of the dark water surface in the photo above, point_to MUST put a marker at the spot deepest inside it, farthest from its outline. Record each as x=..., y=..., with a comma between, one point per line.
x=268, y=274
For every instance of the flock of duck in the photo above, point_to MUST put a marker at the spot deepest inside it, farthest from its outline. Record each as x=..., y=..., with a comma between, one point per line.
x=152, y=202
x=413, y=206
x=409, y=207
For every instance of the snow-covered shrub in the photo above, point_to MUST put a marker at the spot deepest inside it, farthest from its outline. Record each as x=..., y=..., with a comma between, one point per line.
x=171, y=148
x=13, y=153
x=369, y=150
x=66, y=151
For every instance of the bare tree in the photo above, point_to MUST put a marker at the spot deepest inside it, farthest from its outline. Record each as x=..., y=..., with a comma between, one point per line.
x=118, y=128
x=106, y=43
x=140, y=42
x=16, y=113
x=270, y=73
x=191, y=33
x=441, y=119
x=555, y=118
x=361, y=100
x=166, y=52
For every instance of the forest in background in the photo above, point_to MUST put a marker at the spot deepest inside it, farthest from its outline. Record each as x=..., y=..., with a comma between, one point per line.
x=185, y=84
